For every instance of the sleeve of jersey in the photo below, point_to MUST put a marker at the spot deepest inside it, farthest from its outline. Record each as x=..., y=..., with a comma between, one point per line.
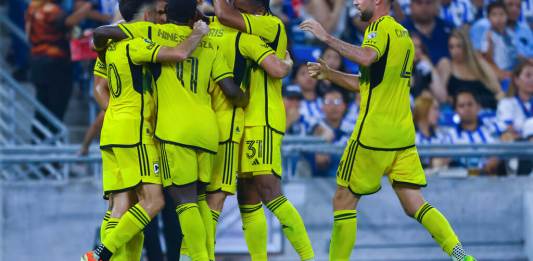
x=137, y=29
x=376, y=38
x=220, y=68
x=143, y=51
x=261, y=25
x=100, y=69
x=253, y=48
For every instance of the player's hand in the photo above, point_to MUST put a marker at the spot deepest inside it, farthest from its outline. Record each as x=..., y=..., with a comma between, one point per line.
x=314, y=27
x=318, y=70
x=288, y=59
x=200, y=27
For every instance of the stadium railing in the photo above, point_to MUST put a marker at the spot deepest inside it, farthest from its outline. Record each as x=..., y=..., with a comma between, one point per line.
x=30, y=157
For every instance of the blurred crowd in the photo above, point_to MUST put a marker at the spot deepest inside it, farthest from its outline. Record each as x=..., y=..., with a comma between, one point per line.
x=472, y=77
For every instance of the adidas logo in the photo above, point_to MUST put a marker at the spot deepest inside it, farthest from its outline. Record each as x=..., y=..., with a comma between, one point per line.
x=284, y=226
x=255, y=163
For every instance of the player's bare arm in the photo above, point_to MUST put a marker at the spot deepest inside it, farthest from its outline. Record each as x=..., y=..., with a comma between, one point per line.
x=233, y=93
x=103, y=34
x=276, y=67
x=361, y=55
x=101, y=92
x=322, y=71
x=228, y=15
x=185, y=48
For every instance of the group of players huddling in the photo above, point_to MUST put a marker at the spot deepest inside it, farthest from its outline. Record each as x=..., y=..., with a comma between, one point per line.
x=193, y=105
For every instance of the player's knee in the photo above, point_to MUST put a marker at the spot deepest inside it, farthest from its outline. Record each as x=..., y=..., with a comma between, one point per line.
x=409, y=211
x=216, y=200
x=344, y=199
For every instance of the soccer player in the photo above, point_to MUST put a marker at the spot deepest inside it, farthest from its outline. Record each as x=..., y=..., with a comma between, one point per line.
x=384, y=136
x=130, y=155
x=260, y=159
x=242, y=51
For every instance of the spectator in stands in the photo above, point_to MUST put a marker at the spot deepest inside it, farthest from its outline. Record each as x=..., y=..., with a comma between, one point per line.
x=426, y=116
x=434, y=31
x=498, y=46
x=467, y=71
x=525, y=166
x=311, y=105
x=425, y=78
x=521, y=32
x=457, y=12
x=471, y=130
x=333, y=60
x=331, y=14
x=518, y=106
x=47, y=28
x=333, y=130
x=296, y=124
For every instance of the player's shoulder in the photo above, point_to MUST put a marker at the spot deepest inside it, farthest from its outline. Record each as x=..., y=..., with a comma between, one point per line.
x=385, y=23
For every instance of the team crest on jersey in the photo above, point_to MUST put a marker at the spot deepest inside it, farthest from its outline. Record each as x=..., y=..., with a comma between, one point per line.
x=156, y=168
x=372, y=35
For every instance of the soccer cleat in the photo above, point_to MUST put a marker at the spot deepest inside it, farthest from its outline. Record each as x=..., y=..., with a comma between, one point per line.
x=90, y=256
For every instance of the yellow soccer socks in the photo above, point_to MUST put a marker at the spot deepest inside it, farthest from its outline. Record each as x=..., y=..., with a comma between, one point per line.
x=131, y=223
x=104, y=224
x=343, y=235
x=439, y=228
x=194, y=231
x=293, y=226
x=254, y=227
x=207, y=218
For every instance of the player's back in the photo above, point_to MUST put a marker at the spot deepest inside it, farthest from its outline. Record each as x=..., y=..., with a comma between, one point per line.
x=385, y=119
x=266, y=103
x=188, y=108
x=130, y=116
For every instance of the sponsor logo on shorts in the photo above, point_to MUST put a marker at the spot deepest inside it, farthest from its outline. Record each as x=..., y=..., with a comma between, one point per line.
x=156, y=167
x=255, y=162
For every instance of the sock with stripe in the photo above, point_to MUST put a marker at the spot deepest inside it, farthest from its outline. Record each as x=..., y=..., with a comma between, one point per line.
x=104, y=224
x=343, y=235
x=207, y=218
x=254, y=227
x=131, y=223
x=216, y=215
x=293, y=226
x=439, y=228
x=133, y=248
x=193, y=230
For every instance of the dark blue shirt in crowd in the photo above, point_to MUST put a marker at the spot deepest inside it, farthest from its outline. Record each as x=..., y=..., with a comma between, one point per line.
x=437, y=43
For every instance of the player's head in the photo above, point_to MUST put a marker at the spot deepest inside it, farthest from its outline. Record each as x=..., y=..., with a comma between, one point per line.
x=467, y=106
x=135, y=9
x=181, y=11
x=160, y=12
x=252, y=6
x=426, y=110
x=367, y=8
x=334, y=106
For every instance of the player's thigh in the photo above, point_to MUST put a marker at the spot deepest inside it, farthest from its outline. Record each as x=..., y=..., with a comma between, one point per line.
x=224, y=174
x=179, y=165
x=122, y=168
x=247, y=193
x=205, y=167
x=407, y=169
x=360, y=170
x=261, y=151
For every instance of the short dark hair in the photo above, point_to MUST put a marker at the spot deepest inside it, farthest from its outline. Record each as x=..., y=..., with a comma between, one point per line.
x=181, y=11
x=129, y=8
x=495, y=5
x=265, y=4
x=465, y=91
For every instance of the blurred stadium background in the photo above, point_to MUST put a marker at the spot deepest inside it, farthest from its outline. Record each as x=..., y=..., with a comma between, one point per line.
x=478, y=162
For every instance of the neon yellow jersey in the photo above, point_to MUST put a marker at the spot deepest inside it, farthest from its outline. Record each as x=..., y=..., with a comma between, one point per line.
x=241, y=51
x=185, y=116
x=385, y=120
x=266, y=103
x=100, y=69
x=130, y=117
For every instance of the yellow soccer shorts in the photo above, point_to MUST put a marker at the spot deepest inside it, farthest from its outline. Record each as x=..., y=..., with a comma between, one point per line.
x=260, y=152
x=361, y=169
x=125, y=168
x=182, y=166
x=224, y=176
